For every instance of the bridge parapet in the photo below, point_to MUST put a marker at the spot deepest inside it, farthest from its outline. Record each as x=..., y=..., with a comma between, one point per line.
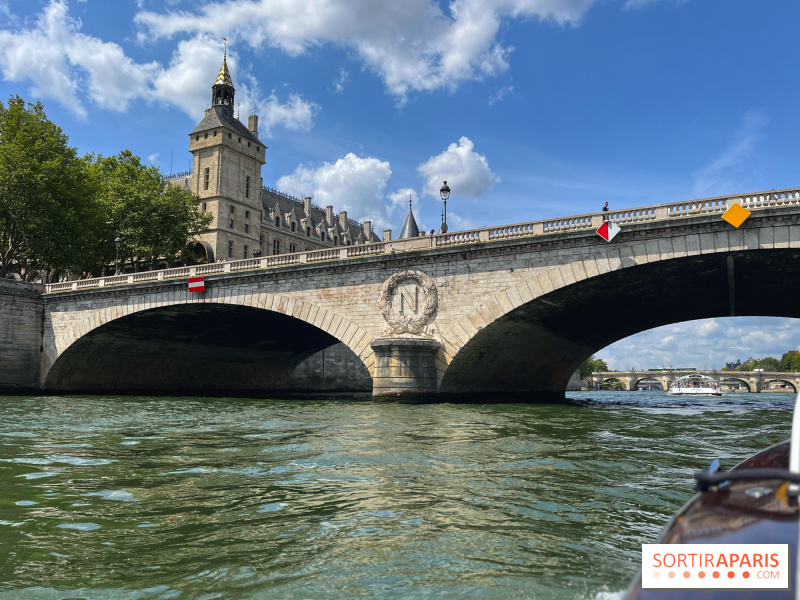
x=644, y=214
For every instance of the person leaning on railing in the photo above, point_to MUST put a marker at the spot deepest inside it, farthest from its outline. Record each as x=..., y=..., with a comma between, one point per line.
x=605, y=210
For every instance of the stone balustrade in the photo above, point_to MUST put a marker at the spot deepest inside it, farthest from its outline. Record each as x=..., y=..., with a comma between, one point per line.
x=643, y=214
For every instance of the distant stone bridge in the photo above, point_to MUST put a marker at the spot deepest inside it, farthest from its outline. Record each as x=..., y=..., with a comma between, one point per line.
x=499, y=312
x=752, y=381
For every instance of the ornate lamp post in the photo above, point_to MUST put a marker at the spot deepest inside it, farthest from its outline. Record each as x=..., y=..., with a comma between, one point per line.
x=444, y=192
x=117, y=243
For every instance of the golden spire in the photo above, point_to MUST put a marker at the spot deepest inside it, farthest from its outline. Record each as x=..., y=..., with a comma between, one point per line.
x=224, y=77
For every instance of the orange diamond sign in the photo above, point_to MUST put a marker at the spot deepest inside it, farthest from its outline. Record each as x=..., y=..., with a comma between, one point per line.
x=736, y=214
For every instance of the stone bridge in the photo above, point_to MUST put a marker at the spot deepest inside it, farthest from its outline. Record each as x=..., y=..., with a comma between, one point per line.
x=751, y=381
x=497, y=313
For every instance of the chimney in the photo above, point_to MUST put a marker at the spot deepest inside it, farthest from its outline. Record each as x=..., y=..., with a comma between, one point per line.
x=252, y=124
x=307, y=205
x=368, y=230
x=343, y=220
x=329, y=215
x=387, y=235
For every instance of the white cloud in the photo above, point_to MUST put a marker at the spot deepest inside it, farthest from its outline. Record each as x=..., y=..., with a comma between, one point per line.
x=185, y=81
x=153, y=157
x=60, y=62
x=644, y=3
x=467, y=173
x=398, y=201
x=708, y=342
x=296, y=114
x=338, y=83
x=351, y=183
x=412, y=45
x=499, y=94
x=722, y=172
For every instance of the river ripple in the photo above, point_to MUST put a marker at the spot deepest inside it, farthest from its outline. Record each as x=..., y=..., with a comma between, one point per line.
x=238, y=498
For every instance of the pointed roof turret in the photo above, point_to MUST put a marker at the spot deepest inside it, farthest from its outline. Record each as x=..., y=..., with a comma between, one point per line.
x=410, y=229
x=222, y=92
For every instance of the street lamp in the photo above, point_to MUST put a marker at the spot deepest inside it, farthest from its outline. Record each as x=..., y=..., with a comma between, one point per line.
x=117, y=243
x=444, y=192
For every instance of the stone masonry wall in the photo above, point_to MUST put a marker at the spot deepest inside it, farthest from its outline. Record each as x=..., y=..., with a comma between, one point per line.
x=477, y=283
x=333, y=369
x=21, y=313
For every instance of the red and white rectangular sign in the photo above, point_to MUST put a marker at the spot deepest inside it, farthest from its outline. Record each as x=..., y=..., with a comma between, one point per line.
x=197, y=284
x=715, y=566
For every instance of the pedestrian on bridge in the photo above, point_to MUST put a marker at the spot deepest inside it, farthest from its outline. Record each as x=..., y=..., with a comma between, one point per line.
x=605, y=210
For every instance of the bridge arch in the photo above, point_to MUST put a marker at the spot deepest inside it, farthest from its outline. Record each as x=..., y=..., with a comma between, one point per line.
x=528, y=339
x=744, y=382
x=650, y=381
x=765, y=385
x=255, y=341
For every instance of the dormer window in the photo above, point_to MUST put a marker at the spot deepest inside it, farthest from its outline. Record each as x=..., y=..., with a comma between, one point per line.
x=322, y=236
x=277, y=221
x=336, y=241
x=308, y=231
x=293, y=226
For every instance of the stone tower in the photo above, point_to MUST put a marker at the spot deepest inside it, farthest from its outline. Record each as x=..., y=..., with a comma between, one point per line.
x=226, y=173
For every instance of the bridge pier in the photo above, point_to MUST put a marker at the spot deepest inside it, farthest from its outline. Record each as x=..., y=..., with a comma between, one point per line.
x=405, y=369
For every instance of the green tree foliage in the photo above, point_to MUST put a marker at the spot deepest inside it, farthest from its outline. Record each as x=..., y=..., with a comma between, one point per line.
x=770, y=363
x=47, y=209
x=153, y=219
x=790, y=361
x=612, y=385
x=591, y=365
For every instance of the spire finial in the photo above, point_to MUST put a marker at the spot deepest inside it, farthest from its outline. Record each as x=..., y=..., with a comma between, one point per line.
x=225, y=45
x=409, y=202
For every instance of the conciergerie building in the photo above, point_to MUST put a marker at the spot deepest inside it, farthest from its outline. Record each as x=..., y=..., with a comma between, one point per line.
x=226, y=175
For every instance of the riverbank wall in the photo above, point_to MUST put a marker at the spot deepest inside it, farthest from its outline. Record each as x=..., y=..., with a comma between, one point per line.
x=21, y=320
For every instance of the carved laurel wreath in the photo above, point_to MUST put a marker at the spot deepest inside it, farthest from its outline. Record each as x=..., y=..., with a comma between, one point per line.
x=413, y=324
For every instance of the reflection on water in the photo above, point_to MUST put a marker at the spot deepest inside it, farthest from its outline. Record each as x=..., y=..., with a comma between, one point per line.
x=232, y=498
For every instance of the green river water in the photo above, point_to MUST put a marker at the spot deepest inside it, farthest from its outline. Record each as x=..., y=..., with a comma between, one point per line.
x=132, y=498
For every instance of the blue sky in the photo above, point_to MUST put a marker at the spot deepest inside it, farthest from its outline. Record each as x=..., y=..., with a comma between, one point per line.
x=529, y=108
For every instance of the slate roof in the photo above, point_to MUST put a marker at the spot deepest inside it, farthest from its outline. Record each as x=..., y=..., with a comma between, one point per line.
x=410, y=229
x=286, y=204
x=215, y=117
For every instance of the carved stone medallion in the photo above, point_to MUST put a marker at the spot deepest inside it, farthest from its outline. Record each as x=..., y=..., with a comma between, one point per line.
x=408, y=301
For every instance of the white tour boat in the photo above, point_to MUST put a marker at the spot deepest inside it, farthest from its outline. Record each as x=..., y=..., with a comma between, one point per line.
x=694, y=385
